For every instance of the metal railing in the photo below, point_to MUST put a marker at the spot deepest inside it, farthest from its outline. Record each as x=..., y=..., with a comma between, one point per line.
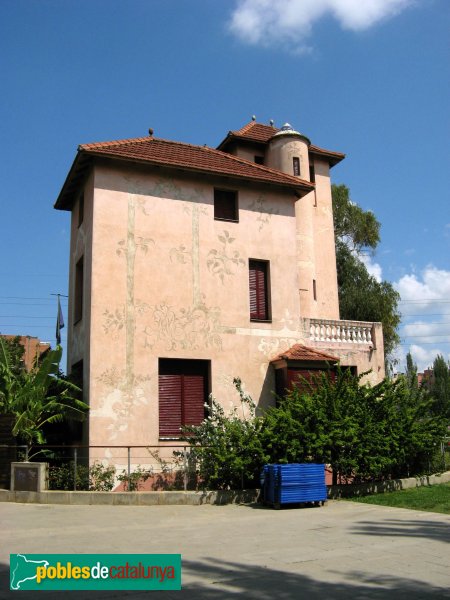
x=136, y=467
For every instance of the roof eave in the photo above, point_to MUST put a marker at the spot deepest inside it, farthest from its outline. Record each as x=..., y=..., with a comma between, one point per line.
x=77, y=173
x=83, y=158
x=333, y=158
x=239, y=139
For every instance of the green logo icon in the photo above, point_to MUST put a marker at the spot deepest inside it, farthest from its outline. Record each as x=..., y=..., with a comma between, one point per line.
x=95, y=571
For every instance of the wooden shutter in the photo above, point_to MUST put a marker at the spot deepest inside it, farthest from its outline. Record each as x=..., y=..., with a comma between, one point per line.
x=170, y=401
x=258, y=290
x=193, y=399
x=225, y=205
x=297, y=377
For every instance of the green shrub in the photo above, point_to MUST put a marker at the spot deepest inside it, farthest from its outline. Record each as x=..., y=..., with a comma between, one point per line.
x=364, y=432
x=227, y=448
x=101, y=477
x=133, y=482
x=61, y=477
x=98, y=478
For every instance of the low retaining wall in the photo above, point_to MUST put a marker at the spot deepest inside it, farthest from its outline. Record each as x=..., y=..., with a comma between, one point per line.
x=379, y=487
x=132, y=498
x=214, y=497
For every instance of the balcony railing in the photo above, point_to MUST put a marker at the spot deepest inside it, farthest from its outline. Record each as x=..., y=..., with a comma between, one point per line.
x=339, y=332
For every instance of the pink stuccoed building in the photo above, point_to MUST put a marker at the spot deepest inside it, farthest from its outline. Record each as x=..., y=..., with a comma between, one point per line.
x=190, y=266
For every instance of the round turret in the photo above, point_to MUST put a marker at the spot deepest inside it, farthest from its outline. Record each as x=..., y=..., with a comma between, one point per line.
x=288, y=152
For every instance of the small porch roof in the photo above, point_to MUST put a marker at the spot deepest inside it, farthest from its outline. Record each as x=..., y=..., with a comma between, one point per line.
x=300, y=352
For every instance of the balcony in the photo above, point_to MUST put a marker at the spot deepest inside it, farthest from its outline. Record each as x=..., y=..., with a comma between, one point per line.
x=340, y=332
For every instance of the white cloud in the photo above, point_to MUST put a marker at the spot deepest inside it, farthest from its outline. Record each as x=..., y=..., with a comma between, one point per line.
x=426, y=294
x=425, y=336
x=424, y=357
x=291, y=21
x=373, y=268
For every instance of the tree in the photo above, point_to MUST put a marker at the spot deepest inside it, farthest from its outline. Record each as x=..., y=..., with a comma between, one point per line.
x=411, y=372
x=227, y=447
x=16, y=353
x=440, y=387
x=364, y=432
x=361, y=296
x=36, y=398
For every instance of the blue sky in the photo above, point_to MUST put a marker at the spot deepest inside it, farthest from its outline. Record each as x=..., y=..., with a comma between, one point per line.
x=370, y=79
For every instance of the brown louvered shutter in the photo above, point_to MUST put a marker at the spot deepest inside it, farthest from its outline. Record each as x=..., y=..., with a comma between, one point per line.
x=225, y=205
x=297, y=377
x=170, y=400
x=193, y=399
x=258, y=290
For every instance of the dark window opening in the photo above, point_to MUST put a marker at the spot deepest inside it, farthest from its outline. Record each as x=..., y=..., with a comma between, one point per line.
x=312, y=173
x=296, y=166
x=76, y=374
x=259, y=290
x=314, y=289
x=226, y=205
x=259, y=160
x=183, y=392
x=80, y=209
x=78, y=299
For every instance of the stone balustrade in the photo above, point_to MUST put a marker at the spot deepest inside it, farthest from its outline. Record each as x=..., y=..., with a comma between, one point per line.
x=339, y=332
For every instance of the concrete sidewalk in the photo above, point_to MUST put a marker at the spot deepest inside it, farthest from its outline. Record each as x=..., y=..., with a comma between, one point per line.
x=344, y=550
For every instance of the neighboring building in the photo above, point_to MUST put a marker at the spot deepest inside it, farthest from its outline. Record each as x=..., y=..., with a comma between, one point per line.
x=34, y=349
x=426, y=379
x=190, y=266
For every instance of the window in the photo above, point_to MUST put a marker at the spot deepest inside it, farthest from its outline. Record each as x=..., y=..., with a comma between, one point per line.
x=183, y=391
x=226, y=205
x=312, y=178
x=78, y=296
x=314, y=289
x=259, y=160
x=296, y=166
x=259, y=290
x=80, y=209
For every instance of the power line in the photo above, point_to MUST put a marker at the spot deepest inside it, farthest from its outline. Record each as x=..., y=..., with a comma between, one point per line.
x=23, y=317
x=429, y=323
x=30, y=303
x=422, y=343
x=27, y=297
x=433, y=335
x=426, y=315
x=429, y=301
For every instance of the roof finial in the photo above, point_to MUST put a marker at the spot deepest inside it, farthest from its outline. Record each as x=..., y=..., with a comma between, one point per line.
x=150, y=132
x=253, y=117
x=271, y=122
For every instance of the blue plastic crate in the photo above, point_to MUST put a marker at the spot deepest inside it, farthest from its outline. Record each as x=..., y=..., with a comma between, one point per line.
x=293, y=483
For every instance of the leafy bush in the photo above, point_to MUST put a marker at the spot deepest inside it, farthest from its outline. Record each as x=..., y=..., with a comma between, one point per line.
x=97, y=478
x=227, y=448
x=61, y=477
x=101, y=477
x=133, y=482
x=364, y=432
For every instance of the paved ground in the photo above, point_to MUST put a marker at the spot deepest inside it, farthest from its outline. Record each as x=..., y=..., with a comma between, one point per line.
x=344, y=550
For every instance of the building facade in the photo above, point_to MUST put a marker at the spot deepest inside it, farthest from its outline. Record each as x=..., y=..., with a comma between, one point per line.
x=190, y=266
x=34, y=349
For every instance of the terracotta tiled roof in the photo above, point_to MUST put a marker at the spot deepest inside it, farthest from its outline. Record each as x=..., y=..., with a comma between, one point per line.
x=332, y=156
x=201, y=159
x=257, y=132
x=198, y=158
x=301, y=352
